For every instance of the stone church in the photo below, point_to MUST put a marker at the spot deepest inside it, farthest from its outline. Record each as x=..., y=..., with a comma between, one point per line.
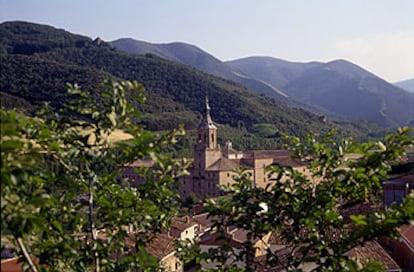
x=212, y=166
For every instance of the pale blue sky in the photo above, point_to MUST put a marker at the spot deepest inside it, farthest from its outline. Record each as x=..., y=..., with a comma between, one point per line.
x=375, y=34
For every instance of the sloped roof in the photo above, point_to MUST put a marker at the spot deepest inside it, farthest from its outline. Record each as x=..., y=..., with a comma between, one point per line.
x=204, y=220
x=219, y=239
x=261, y=154
x=161, y=246
x=180, y=224
x=407, y=233
x=372, y=251
x=13, y=264
x=225, y=164
x=280, y=156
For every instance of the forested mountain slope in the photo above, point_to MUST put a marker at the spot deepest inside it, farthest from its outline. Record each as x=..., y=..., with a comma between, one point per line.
x=195, y=57
x=38, y=60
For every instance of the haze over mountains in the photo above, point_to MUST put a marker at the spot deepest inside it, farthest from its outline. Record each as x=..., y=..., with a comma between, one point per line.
x=407, y=85
x=337, y=88
x=195, y=57
x=38, y=60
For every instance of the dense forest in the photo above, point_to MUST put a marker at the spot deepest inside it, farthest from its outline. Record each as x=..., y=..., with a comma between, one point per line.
x=38, y=60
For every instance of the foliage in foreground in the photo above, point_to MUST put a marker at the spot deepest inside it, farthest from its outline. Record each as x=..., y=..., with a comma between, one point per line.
x=312, y=215
x=62, y=202
x=60, y=193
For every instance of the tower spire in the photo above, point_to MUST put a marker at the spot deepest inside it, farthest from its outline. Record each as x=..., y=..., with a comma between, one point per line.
x=207, y=122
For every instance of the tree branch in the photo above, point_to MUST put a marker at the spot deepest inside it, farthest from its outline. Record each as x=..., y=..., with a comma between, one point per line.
x=26, y=254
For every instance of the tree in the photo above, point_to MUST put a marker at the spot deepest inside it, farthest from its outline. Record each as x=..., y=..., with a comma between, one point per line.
x=308, y=213
x=62, y=202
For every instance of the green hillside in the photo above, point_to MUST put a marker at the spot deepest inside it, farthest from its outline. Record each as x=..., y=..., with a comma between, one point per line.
x=38, y=60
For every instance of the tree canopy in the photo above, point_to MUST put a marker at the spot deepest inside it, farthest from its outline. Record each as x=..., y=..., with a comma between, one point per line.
x=62, y=201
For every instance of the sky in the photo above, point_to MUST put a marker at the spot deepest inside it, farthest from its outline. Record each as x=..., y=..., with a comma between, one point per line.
x=377, y=35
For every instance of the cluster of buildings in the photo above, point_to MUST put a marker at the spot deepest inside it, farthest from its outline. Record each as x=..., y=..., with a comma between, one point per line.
x=213, y=166
x=396, y=255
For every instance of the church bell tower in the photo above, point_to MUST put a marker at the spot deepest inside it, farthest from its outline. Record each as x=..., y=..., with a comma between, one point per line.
x=206, y=151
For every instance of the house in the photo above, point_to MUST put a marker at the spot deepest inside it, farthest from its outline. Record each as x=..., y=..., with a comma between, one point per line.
x=402, y=248
x=130, y=173
x=184, y=228
x=239, y=240
x=398, y=187
x=163, y=249
x=372, y=251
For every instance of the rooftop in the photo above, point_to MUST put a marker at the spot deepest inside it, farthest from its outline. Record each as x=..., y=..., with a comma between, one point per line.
x=372, y=251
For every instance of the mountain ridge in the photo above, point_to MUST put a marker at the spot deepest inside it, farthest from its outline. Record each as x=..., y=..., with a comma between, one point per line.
x=360, y=95
x=195, y=57
x=171, y=87
x=175, y=92
x=407, y=85
x=338, y=87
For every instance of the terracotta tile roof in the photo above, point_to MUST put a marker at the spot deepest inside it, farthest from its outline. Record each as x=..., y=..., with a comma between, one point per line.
x=282, y=157
x=407, y=233
x=219, y=239
x=13, y=265
x=261, y=154
x=372, y=251
x=225, y=164
x=183, y=223
x=180, y=224
x=240, y=235
x=161, y=246
x=204, y=220
x=282, y=254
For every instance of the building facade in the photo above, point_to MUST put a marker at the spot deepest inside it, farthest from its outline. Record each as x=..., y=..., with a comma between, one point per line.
x=213, y=167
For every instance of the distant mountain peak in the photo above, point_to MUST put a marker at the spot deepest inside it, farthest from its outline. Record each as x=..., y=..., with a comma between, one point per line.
x=407, y=85
x=339, y=87
x=194, y=56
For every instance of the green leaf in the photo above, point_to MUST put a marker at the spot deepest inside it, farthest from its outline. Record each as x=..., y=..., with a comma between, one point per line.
x=359, y=220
